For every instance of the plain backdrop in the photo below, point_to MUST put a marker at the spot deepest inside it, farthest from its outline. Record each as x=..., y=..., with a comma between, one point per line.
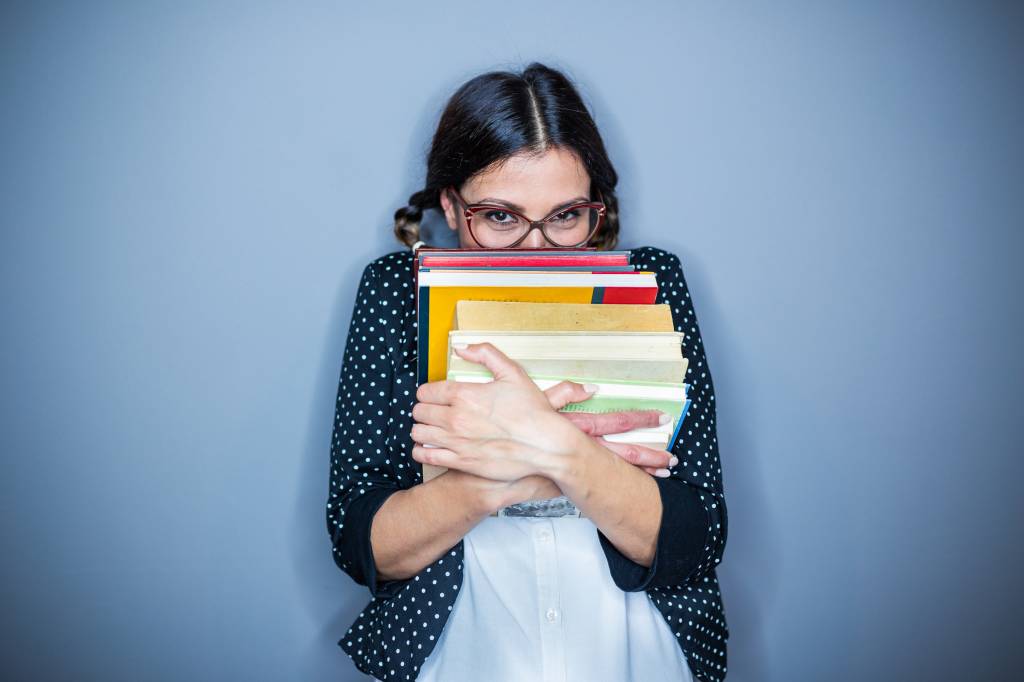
x=190, y=190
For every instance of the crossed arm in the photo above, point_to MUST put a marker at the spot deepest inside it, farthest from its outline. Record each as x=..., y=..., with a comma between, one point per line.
x=509, y=429
x=370, y=513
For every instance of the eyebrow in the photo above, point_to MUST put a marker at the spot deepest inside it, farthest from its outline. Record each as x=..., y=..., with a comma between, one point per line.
x=520, y=209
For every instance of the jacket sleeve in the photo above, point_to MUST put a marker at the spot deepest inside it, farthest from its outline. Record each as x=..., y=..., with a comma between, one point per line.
x=694, y=522
x=362, y=474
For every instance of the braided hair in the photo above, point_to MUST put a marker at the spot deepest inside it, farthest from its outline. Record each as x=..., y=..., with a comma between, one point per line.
x=498, y=114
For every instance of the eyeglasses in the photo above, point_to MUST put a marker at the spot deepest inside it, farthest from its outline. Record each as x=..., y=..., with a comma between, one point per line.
x=498, y=227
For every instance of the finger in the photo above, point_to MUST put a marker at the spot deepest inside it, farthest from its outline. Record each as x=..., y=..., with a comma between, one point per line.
x=440, y=457
x=436, y=436
x=443, y=392
x=435, y=415
x=497, y=468
x=486, y=354
x=653, y=471
x=640, y=455
x=565, y=392
x=584, y=421
x=603, y=423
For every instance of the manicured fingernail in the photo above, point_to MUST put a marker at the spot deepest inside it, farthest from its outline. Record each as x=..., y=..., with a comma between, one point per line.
x=590, y=388
x=460, y=346
x=674, y=461
x=663, y=473
x=664, y=418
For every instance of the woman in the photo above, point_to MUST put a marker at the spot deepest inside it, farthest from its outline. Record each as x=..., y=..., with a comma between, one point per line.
x=629, y=591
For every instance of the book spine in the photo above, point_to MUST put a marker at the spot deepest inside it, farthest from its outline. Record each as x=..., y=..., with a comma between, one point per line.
x=679, y=426
x=423, y=334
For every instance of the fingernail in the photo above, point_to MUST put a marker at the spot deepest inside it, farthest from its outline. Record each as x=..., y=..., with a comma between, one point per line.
x=662, y=473
x=664, y=418
x=590, y=388
x=460, y=346
x=674, y=461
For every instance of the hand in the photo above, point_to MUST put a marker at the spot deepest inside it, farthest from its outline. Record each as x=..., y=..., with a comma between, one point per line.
x=600, y=424
x=504, y=430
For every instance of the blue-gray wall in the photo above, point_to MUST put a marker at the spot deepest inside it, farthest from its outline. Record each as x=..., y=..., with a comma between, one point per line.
x=189, y=192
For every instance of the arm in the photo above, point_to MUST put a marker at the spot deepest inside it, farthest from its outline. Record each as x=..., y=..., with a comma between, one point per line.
x=621, y=500
x=362, y=474
x=694, y=524
x=382, y=532
x=415, y=527
x=369, y=511
x=651, y=529
x=505, y=430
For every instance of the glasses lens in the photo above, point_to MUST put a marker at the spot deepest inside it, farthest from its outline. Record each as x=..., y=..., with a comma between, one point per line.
x=572, y=226
x=494, y=228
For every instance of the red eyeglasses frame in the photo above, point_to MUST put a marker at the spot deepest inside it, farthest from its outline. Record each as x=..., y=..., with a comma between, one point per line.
x=470, y=209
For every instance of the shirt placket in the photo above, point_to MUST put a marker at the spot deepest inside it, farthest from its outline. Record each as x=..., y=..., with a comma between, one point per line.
x=552, y=633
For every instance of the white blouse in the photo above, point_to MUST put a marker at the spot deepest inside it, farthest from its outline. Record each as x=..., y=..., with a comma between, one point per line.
x=537, y=603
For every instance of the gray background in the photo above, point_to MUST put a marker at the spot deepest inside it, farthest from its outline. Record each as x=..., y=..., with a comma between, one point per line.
x=189, y=192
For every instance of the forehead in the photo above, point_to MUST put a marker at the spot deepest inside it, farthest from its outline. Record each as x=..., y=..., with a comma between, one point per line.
x=555, y=175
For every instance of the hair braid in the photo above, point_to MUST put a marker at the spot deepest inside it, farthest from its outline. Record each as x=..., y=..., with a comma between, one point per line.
x=407, y=218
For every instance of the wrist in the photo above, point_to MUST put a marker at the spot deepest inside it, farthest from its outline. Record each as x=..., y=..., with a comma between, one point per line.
x=479, y=495
x=489, y=500
x=564, y=465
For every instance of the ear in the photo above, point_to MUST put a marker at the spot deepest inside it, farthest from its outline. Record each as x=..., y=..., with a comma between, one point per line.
x=448, y=206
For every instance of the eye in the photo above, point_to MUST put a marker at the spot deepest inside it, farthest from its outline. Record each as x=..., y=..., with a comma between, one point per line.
x=501, y=218
x=569, y=216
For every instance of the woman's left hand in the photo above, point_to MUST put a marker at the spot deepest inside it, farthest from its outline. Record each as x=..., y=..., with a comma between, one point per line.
x=503, y=430
x=595, y=425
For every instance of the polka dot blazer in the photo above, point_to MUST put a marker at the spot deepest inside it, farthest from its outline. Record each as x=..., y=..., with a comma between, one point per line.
x=371, y=459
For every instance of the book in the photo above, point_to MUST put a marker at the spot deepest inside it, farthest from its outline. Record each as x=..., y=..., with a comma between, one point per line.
x=440, y=290
x=561, y=314
x=611, y=396
x=590, y=256
x=518, y=316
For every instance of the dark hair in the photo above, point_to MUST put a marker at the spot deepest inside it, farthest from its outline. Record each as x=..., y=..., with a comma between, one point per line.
x=498, y=114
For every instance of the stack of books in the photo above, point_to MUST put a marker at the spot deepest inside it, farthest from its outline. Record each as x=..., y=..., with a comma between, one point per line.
x=563, y=314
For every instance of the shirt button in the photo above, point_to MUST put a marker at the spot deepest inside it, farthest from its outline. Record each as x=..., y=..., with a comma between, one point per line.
x=552, y=615
x=543, y=535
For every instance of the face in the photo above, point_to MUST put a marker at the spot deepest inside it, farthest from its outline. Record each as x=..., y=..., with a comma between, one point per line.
x=534, y=185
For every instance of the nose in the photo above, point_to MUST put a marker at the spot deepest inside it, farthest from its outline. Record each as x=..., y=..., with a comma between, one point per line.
x=534, y=240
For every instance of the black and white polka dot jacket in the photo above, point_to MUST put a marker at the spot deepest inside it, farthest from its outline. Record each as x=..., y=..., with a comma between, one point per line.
x=371, y=459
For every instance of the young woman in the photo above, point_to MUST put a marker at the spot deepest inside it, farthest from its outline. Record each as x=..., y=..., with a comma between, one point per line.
x=627, y=593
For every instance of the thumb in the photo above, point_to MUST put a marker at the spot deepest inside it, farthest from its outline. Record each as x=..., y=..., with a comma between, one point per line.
x=500, y=365
x=565, y=392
